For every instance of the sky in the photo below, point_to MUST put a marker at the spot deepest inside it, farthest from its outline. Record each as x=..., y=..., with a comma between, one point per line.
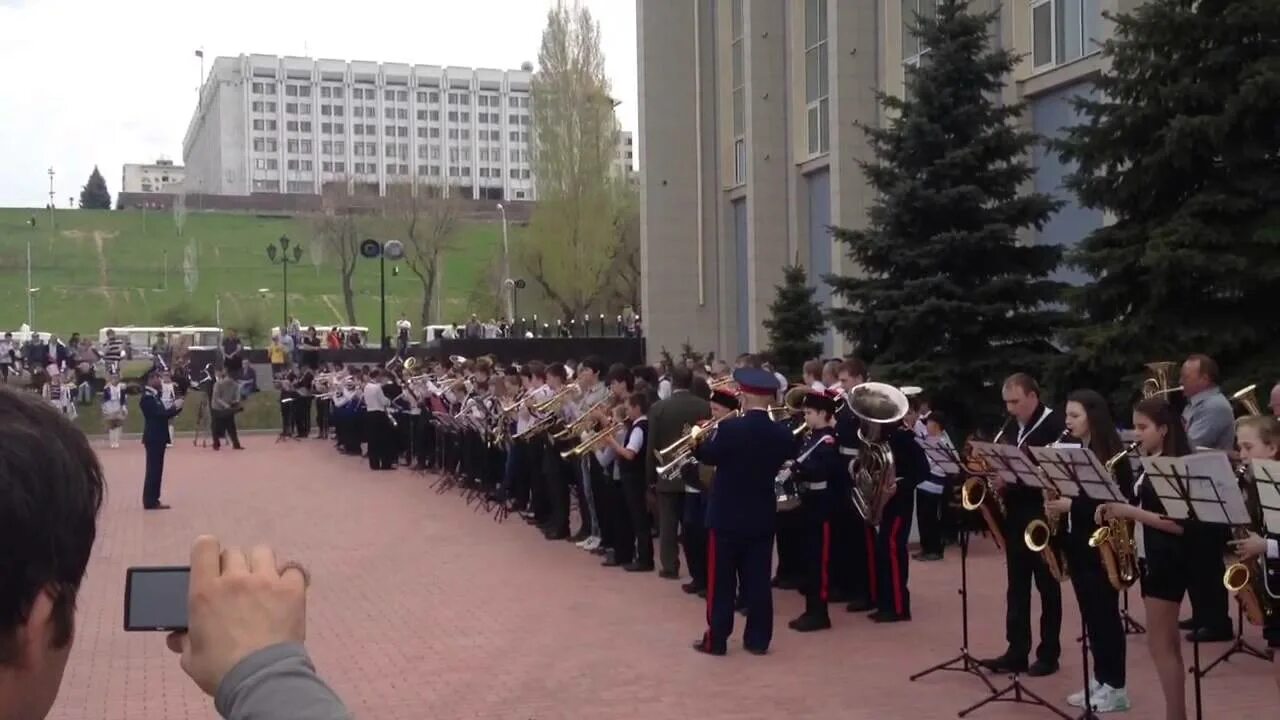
x=87, y=82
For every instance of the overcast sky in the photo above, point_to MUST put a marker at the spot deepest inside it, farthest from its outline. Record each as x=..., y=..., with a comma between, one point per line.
x=88, y=82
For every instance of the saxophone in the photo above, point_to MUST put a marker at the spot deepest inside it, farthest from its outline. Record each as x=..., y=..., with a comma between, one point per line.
x=1038, y=536
x=1248, y=580
x=1115, y=540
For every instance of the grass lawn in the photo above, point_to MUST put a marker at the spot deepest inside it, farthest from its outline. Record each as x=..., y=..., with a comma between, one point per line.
x=261, y=412
x=99, y=268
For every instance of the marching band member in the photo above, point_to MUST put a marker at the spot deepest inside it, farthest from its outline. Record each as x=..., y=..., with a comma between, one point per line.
x=223, y=406
x=377, y=422
x=630, y=465
x=747, y=453
x=557, y=472
x=302, y=405
x=114, y=409
x=168, y=394
x=694, y=521
x=611, y=510
x=668, y=421
x=813, y=376
x=931, y=496
x=912, y=468
x=1031, y=423
x=589, y=473
x=1259, y=439
x=532, y=490
x=853, y=574
x=822, y=481
x=1162, y=551
x=347, y=411
x=324, y=405
x=1089, y=422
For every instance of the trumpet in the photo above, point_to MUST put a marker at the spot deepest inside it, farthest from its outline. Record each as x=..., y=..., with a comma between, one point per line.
x=592, y=442
x=555, y=402
x=674, y=457
x=721, y=383
x=582, y=422
x=1115, y=540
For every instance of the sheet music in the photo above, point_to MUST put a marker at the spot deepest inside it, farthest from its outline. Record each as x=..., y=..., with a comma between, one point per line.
x=1163, y=473
x=1010, y=464
x=1214, y=490
x=942, y=455
x=1078, y=471
x=1266, y=475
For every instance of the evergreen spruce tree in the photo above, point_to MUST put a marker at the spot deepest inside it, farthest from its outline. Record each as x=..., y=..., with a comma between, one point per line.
x=94, y=195
x=795, y=322
x=1179, y=145
x=949, y=298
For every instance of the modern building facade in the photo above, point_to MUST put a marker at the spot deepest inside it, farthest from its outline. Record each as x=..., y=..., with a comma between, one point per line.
x=162, y=176
x=267, y=124
x=750, y=141
x=624, y=160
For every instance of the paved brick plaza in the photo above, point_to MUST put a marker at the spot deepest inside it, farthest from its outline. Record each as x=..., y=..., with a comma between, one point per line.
x=422, y=610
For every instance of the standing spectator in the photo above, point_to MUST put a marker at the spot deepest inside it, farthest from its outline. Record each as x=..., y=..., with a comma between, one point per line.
x=474, y=330
x=276, y=355
x=112, y=352
x=403, y=328
x=232, y=354
x=290, y=344
x=294, y=332
x=114, y=409
x=224, y=406
x=311, y=349
x=333, y=339
x=7, y=356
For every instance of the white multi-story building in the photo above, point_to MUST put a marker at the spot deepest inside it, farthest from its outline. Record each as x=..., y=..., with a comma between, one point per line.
x=624, y=163
x=162, y=176
x=266, y=124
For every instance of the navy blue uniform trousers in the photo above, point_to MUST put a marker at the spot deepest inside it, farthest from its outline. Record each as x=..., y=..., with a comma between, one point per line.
x=748, y=558
x=155, y=473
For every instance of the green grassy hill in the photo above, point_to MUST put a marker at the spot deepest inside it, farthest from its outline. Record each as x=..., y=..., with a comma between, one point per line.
x=98, y=268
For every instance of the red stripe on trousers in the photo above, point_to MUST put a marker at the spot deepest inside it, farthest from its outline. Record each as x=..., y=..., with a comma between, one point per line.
x=711, y=585
x=873, y=576
x=826, y=560
x=893, y=566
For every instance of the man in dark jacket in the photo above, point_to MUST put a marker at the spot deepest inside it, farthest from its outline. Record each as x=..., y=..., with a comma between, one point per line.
x=669, y=419
x=155, y=438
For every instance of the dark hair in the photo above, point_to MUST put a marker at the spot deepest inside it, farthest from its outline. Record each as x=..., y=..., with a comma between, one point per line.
x=699, y=387
x=594, y=364
x=639, y=400
x=813, y=367
x=1207, y=366
x=1104, y=439
x=1023, y=382
x=537, y=369
x=556, y=370
x=682, y=379
x=619, y=373
x=853, y=367
x=51, y=488
x=646, y=373
x=1161, y=413
x=939, y=417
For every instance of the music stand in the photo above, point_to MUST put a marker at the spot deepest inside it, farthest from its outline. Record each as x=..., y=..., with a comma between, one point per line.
x=445, y=425
x=1265, y=474
x=1076, y=472
x=948, y=461
x=1200, y=487
x=1011, y=465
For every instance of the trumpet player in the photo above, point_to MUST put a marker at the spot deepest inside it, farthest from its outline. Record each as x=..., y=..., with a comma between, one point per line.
x=612, y=519
x=823, y=483
x=377, y=423
x=669, y=419
x=633, y=541
x=1162, y=551
x=694, y=520
x=1259, y=439
x=1031, y=423
x=1089, y=421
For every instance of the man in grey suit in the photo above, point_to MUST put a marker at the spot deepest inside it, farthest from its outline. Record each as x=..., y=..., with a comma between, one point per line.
x=668, y=421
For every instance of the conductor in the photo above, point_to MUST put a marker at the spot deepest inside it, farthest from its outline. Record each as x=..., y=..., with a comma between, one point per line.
x=747, y=453
x=155, y=437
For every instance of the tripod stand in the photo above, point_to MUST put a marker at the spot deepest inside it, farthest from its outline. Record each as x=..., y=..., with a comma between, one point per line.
x=1239, y=646
x=1131, y=626
x=964, y=662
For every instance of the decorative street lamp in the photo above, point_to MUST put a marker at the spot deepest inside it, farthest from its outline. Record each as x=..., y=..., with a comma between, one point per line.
x=393, y=249
x=284, y=258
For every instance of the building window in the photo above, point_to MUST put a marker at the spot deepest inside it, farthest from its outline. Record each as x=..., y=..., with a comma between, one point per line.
x=514, y=174
x=273, y=164
x=389, y=151
x=466, y=134
x=337, y=95
x=257, y=88
x=326, y=128
x=422, y=115
x=422, y=132
x=391, y=169
x=326, y=110
x=484, y=154
x=434, y=116
x=357, y=111
x=434, y=97
x=272, y=146
x=271, y=106
x=326, y=167
x=402, y=131
x=370, y=129
x=259, y=144
x=524, y=119
x=256, y=106
x=291, y=146
x=271, y=88
x=305, y=147
x=464, y=117
x=513, y=101
x=306, y=126
x=292, y=165
x=1063, y=31
x=339, y=147
x=389, y=95
x=453, y=156
x=422, y=96
x=524, y=174
x=326, y=92
x=817, y=81
x=339, y=129
x=403, y=169
x=257, y=124
x=513, y=119
x=371, y=149
x=340, y=167
x=307, y=166
x=357, y=94
x=304, y=108
x=271, y=125
x=464, y=99
x=514, y=136
x=402, y=96
x=338, y=111
x=291, y=126
x=453, y=98
x=453, y=133
x=434, y=132
x=390, y=113
x=291, y=90
x=739, y=94
x=484, y=171
x=466, y=171
x=453, y=116
x=402, y=113
x=911, y=47
x=326, y=148
x=435, y=152
x=359, y=129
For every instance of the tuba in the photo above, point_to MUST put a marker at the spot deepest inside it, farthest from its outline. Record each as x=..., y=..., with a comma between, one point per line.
x=1248, y=402
x=1115, y=540
x=879, y=407
x=1248, y=580
x=791, y=404
x=1157, y=383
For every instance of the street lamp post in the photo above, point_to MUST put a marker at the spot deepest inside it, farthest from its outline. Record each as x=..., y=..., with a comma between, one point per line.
x=284, y=260
x=31, y=313
x=31, y=308
x=506, y=264
x=393, y=249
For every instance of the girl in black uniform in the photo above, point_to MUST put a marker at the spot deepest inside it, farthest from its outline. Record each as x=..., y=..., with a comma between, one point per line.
x=1161, y=551
x=1259, y=439
x=1089, y=421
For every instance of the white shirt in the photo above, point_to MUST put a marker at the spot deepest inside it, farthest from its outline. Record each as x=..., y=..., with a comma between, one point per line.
x=6, y=347
x=1273, y=549
x=817, y=386
x=167, y=394
x=344, y=397
x=403, y=325
x=526, y=419
x=664, y=388
x=113, y=399
x=374, y=399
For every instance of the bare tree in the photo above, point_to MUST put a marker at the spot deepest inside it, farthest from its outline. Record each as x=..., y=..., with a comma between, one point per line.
x=426, y=221
x=570, y=247
x=335, y=228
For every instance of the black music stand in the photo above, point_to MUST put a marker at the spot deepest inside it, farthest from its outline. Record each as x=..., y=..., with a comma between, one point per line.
x=1265, y=473
x=446, y=427
x=1202, y=488
x=946, y=458
x=1011, y=464
x=1076, y=472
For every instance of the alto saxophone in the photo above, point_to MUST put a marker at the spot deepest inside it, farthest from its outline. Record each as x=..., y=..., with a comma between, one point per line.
x=1115, y=540
x=1039, y=534
x=1248, y=580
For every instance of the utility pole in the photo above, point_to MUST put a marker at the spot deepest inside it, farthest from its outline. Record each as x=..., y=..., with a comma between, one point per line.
x=51, y=225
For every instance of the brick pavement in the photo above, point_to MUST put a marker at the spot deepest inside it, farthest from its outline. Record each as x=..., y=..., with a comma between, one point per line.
x=421, y=609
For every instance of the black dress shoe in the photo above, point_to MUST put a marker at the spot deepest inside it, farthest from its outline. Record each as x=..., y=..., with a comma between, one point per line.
x=810, y=623
x=610, y=561
x=557, y=535
x=701, y=646
x=157, y=506
x=1041, y=668
x=786, y=583
x=1206, y=635
x=756, y=651
x=1188, y=624
x=702, y=593
x=692, y=588
x=860, y=605
x=669, y=575
x=1004, y=664
x=638, y=567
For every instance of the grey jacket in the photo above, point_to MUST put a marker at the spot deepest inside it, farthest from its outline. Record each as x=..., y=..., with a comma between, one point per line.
x=277, y=683
x=226, y=393
x=667, y=422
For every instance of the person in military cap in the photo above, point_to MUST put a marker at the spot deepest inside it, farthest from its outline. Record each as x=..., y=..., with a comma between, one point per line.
x=747, y=452
x=821, y=479
x=723, y=402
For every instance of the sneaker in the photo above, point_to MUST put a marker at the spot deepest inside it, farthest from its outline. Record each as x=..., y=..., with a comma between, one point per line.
x=592, y=543
x=1110, y=699
x=583, y=543
x=1076, y=699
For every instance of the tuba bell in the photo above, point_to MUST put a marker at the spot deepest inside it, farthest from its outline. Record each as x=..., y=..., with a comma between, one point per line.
x=1247, y=400
x=792, y=404
x=1157, y=382
x=879, y=407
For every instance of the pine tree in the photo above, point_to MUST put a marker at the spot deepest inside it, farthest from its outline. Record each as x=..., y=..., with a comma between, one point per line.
x=1179, y=145
x=949, y=298
x=94, y=195
x=796, y=319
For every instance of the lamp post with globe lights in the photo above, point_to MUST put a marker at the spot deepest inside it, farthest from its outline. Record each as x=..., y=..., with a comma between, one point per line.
x=284, y=257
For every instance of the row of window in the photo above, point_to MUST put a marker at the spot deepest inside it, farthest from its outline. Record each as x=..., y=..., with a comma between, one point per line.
x=391, y=95
x=359, y=149
x=371, y=168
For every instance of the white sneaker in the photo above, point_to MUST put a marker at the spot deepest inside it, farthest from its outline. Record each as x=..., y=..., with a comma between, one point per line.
x=1110, y=699
x=593, y=542
x=583, y=542
x=1076, y=699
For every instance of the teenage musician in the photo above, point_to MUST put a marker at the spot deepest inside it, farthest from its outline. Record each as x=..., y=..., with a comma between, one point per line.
x=912, y=468
x=1259, y=439
x=114, y=409
x=853, y=542
x=823, y=482
x=630, y=449
x=558, y=473
x=1162, y=551
x=1089, y=422
x=1031, y=424
x=532, y=448
x=614, y=525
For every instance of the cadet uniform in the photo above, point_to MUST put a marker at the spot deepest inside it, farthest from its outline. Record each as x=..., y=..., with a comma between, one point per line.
x=853, y=570
x=822, y=481
x=747, y=453
x=912, y=467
